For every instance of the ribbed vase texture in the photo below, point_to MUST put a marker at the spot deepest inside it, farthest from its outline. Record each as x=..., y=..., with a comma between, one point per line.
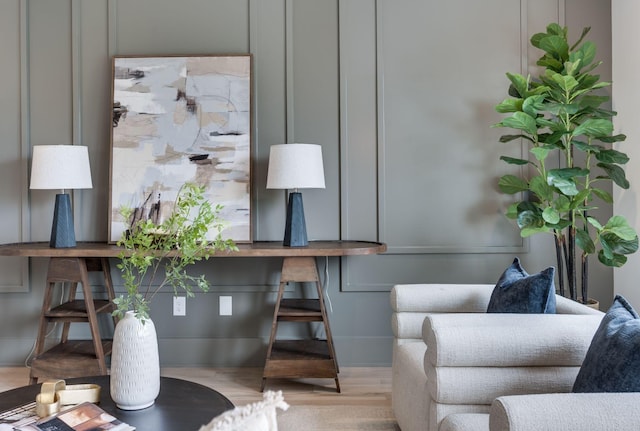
x=135, y=364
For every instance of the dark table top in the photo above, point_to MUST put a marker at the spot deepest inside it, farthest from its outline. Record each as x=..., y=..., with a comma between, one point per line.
x=181, y=405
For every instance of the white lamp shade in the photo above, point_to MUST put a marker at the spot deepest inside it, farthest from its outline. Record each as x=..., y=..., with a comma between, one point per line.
x=295, y=166
x=60, y=167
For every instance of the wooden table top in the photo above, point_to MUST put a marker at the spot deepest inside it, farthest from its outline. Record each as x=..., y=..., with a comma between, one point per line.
x=254, y=249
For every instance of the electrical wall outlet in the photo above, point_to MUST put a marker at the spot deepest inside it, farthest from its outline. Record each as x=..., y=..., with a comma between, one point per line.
x=225, y=306
x=179, y=306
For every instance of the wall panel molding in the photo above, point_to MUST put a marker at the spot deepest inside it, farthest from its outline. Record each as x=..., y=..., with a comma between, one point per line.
x=15, y=270
x=288, y=77
x=76, y=71
x=359, y=136
x=358, y=119
x=268, y=46
x=25, y=116
x=450, y=207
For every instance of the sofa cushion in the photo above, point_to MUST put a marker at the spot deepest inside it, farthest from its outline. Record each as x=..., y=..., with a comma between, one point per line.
x=518, y=292
x=612, y=363
x=465, y=422
x=592, y=412
x=481, y=385
x=507, y=340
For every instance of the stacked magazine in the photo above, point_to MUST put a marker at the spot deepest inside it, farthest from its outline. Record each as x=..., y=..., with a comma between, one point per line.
x=83, y=417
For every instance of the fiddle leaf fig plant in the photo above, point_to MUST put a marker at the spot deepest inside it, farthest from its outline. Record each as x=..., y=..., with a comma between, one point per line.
x=158, y=255
x=560, y=116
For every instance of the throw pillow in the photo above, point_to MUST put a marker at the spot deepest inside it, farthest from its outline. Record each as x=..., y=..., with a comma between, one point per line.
x=612, y=363
x=518, y=292
x=259, y=416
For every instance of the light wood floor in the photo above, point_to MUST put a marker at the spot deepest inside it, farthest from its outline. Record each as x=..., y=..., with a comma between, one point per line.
x=361, y=387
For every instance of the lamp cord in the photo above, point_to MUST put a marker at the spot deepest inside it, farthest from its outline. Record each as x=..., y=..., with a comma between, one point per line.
x=319, y=330
x=325, y=284
x=27, y=362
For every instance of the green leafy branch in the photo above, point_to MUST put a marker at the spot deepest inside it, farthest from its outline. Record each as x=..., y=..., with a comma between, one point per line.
x=157, y=255
x=560, y=113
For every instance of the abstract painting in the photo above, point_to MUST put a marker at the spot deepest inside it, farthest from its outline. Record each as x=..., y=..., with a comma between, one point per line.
x=176, y=120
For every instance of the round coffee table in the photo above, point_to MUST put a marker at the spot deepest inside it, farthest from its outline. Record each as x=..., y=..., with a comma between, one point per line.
x=181, y=405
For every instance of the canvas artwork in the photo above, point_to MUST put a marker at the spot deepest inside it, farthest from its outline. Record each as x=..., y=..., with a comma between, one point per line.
x=177, y=120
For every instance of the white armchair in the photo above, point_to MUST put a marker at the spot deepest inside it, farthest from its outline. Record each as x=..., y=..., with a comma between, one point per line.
x=453, y=364
x=410, y=304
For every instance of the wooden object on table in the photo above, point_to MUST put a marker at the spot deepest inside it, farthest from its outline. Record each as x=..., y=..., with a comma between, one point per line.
x=300, y=358
x=254, y=249
x=73, y=358
x=296, y=267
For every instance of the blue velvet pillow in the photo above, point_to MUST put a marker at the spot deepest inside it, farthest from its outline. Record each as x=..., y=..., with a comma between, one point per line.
x=519, y=292
x=612, y=363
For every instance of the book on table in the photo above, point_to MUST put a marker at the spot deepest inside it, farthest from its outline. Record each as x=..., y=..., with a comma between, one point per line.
x=83, y=417
x=17, y=416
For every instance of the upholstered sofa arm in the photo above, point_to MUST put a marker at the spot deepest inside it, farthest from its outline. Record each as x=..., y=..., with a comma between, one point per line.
x=569, y=306
x=565, y=412
x=411, y=302
x=507, y=340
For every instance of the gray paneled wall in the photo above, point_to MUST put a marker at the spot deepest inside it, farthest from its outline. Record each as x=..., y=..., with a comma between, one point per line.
x=400, y=95
x=13, y=137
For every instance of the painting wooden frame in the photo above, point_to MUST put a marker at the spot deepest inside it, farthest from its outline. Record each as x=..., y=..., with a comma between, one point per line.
x=178, y=119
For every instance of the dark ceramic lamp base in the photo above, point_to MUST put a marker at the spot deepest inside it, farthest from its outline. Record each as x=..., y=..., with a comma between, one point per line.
x=62, y=232
x=295, y=232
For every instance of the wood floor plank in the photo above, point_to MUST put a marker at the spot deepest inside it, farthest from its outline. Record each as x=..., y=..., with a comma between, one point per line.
x=364, y=390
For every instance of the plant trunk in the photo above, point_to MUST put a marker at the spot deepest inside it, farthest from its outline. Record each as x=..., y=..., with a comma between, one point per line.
x=585, y=279
x=571, y=267
x=584, y=285
x=559, y=240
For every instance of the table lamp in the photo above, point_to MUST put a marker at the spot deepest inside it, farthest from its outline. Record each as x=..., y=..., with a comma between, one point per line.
x=61, y=167
x=295, y=166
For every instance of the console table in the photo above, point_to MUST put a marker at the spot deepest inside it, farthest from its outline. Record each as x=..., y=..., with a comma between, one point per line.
x=75, y=358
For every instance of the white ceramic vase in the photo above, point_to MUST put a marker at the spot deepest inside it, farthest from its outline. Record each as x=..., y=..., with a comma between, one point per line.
x=135, y=364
